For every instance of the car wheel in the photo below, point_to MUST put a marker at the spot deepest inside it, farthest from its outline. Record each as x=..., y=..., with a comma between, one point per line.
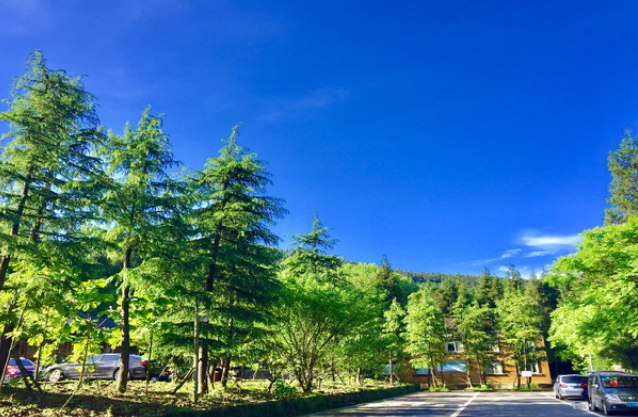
x=56, y=375
x=116, y=375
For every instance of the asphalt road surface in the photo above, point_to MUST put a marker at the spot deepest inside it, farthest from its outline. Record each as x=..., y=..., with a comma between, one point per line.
x=468, y=404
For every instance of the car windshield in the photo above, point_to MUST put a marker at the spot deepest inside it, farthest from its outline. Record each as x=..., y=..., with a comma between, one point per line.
x=620, y=381
x=574, y=379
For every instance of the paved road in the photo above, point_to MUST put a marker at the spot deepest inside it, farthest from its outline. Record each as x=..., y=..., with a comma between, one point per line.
x=469, y=404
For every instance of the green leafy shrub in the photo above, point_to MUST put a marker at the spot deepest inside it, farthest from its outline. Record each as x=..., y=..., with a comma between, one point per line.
x=284, y=390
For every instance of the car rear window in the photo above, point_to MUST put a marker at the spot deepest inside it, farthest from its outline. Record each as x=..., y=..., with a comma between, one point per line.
x=25, y=362
x=574, y=379
x=620, y=381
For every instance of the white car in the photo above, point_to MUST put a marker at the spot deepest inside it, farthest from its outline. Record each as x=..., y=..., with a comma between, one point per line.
x=570, y=386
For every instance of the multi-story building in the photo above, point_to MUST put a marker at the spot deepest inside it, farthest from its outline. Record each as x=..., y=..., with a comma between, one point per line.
x=498, y=371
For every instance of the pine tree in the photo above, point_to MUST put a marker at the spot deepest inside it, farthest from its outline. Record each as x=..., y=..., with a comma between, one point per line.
x=389, y=284
x=623, y=189
x=393, y=329
x=316, y=306
x=514, y=284
x=137, y=208
x=489, y=289
x=48, y=175
x=424, y=330
x=232, y=220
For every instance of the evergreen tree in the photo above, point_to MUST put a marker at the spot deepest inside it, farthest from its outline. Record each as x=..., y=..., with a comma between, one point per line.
x=315, y=307
x=514, y=284
x=393, y=329
x=519, y=321
x=232, y=220
x=389, y=284
x=446, y=295
x=138, y=208
x=489, y=290
x=48, y=175
x=477, y=330
x=425, y=332
x=623, y=189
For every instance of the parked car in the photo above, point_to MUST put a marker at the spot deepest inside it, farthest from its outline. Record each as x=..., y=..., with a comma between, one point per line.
x=613, y=391
x=103, y=366
x=13, y=371
x=570, y=386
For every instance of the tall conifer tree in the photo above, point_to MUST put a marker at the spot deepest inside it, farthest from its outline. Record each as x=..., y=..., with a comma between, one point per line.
x=138, y=207
x=48, y=175
x=232, y=221
x=623, y=189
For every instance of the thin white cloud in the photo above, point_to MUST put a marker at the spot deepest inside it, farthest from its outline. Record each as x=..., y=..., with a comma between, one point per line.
x=550, y=241
x=502, y=269
x=544, y=245
x=507, y=254
x=538, y=253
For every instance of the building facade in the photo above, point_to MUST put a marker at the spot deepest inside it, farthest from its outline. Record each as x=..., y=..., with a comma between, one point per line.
x=457, y=371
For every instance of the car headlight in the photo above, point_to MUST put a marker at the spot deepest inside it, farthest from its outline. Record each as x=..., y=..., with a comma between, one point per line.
x=613, y=398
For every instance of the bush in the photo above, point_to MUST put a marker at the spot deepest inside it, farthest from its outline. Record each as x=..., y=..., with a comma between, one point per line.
x=284, y=391
x=301, y=406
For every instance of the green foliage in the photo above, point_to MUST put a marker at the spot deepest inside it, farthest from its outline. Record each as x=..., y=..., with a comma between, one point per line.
x=488, y=290
x=519, y=319
x=598, y=310
x=623, y=189
x=49, y=178
x=284, y=391
x=425, y=333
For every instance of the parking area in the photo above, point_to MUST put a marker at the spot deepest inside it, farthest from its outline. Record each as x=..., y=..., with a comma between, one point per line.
x=466, y=404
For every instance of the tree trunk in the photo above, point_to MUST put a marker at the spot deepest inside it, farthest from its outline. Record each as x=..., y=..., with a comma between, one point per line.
x=203, y=367
x=150, y=363
x=5, y=347
x=15, y=227
x=432, y=372
x=225, y=371
x=196, y=368
x=126, y=337
x=390, y=373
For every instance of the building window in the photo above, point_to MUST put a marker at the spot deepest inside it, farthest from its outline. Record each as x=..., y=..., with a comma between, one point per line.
x=533, y=366
x=494, y=367
x=454, y=347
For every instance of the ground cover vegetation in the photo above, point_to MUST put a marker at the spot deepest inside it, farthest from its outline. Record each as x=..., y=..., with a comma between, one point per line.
x=106, y=241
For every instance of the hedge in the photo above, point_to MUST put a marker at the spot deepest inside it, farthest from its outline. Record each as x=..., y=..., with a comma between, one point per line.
x=301, y=406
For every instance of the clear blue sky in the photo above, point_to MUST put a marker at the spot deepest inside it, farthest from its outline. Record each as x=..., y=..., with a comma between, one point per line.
x=446, y=135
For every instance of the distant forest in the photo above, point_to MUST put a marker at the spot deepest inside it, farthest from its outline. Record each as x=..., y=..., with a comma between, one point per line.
x=438, y=277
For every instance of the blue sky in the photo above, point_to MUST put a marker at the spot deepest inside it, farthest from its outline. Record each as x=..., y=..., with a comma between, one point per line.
x=446, y=135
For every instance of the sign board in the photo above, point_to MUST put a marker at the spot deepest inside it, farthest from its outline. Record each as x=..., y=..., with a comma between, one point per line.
x=526, y=374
